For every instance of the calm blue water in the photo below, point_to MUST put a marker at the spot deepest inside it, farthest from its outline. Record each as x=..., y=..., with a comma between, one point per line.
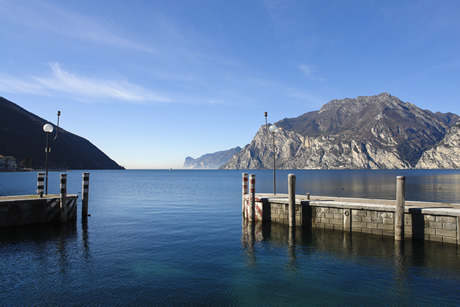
x=177, y=238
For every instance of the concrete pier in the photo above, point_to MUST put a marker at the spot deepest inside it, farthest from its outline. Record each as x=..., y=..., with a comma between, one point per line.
x=33, y=209
x=429, y=221
x=39, y=208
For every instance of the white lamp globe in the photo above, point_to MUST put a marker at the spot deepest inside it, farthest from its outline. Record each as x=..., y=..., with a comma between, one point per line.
x=273, y=129
x=48, y=128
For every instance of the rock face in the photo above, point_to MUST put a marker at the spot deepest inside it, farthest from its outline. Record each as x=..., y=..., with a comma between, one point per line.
x=369, y=132
x=211, y=160
x=444, y=155
x=22, y=136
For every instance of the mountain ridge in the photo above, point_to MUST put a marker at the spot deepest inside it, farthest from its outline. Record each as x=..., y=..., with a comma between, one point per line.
x=367, y=132
x=211, y=160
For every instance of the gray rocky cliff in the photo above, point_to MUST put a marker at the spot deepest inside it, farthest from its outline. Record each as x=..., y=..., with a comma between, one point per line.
x=446, y=154
x=211, y=160
x=369, y=132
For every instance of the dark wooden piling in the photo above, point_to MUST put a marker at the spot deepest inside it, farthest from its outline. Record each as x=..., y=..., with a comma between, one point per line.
x=63, y=198
x=245, y=190
x=291, y=187
x=85, y=195
x=40, y=184
x=252, y=197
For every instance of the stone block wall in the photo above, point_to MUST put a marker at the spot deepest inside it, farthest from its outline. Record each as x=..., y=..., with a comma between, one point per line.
x=436, y=228
x=371, y=219
x=416, y=225
x=35, y=210
x=279, y=213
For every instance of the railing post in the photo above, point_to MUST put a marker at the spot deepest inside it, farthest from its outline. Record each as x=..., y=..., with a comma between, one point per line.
x=291, y=187
x=399, y=210
x=84, y=198
x=40, y=184
x=63, y=191
x=252, y=197
x=245, y=191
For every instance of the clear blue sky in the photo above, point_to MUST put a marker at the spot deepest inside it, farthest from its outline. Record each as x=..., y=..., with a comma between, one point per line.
x=151, y=82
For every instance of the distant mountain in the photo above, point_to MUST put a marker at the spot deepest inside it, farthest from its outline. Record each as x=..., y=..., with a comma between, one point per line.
x=211, y=160
x=368, y=132
x=446, y=154
x=22, y=136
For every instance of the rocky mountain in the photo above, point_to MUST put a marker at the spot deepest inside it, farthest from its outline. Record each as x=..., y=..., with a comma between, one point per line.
x=368, y=132
x=22, y=136
x=446, y=154
x=211, y=160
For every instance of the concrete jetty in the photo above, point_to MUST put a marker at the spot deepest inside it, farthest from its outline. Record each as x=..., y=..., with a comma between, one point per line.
x=41, y=208
x=431, y=221
x=33, y=209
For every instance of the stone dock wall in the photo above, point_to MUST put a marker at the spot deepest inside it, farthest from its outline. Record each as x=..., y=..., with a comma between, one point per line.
x=42, y=208
x=421, y=220
x=31, y=209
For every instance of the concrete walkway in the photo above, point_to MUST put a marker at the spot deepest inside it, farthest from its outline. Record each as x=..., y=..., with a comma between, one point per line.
x=438, y=208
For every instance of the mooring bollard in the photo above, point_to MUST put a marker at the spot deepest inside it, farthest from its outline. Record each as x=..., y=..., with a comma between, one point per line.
x=399, y=211
x=245, y=190
x=252, y=197
x=291, y=187
x=84, y=198
x=63, y=191
x=40, y=184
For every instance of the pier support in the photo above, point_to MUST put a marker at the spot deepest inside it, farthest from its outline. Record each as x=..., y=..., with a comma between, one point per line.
x=399, y=211
x=63, y=197
x=85, y=194
x=245, y=190
x=40, y=184
x=252, y=197
x=291, y=187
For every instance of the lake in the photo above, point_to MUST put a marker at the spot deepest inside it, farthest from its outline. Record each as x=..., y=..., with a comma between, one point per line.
x=160, y=237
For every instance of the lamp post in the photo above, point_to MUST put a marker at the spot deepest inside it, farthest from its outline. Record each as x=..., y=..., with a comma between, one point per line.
x=48, y=128
x=273, y=129
x=266, y=124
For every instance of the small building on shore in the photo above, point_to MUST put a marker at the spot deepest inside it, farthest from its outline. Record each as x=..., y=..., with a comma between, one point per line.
x=7, y=163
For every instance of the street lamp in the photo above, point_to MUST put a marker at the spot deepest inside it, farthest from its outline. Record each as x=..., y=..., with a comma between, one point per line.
x=266, y=124
x=48, y=128
x=273, y=129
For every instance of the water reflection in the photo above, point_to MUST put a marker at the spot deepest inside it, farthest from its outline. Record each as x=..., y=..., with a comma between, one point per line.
x=39, y=233
x=432, y=260
x=248, y=239
x=400, y=274
x=85, y=238
x=292, y=258
x=44, y=238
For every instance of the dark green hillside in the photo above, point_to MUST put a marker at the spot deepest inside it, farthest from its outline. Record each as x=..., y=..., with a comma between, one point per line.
x=22, y=136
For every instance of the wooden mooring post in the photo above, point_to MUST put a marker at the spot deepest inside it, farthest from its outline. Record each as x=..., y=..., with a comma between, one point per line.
x=252, y=197
x=85, y=194
x=291, y=187
x=399, y=211
x=40, y=184
x=245, y=190
x=63, y=197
